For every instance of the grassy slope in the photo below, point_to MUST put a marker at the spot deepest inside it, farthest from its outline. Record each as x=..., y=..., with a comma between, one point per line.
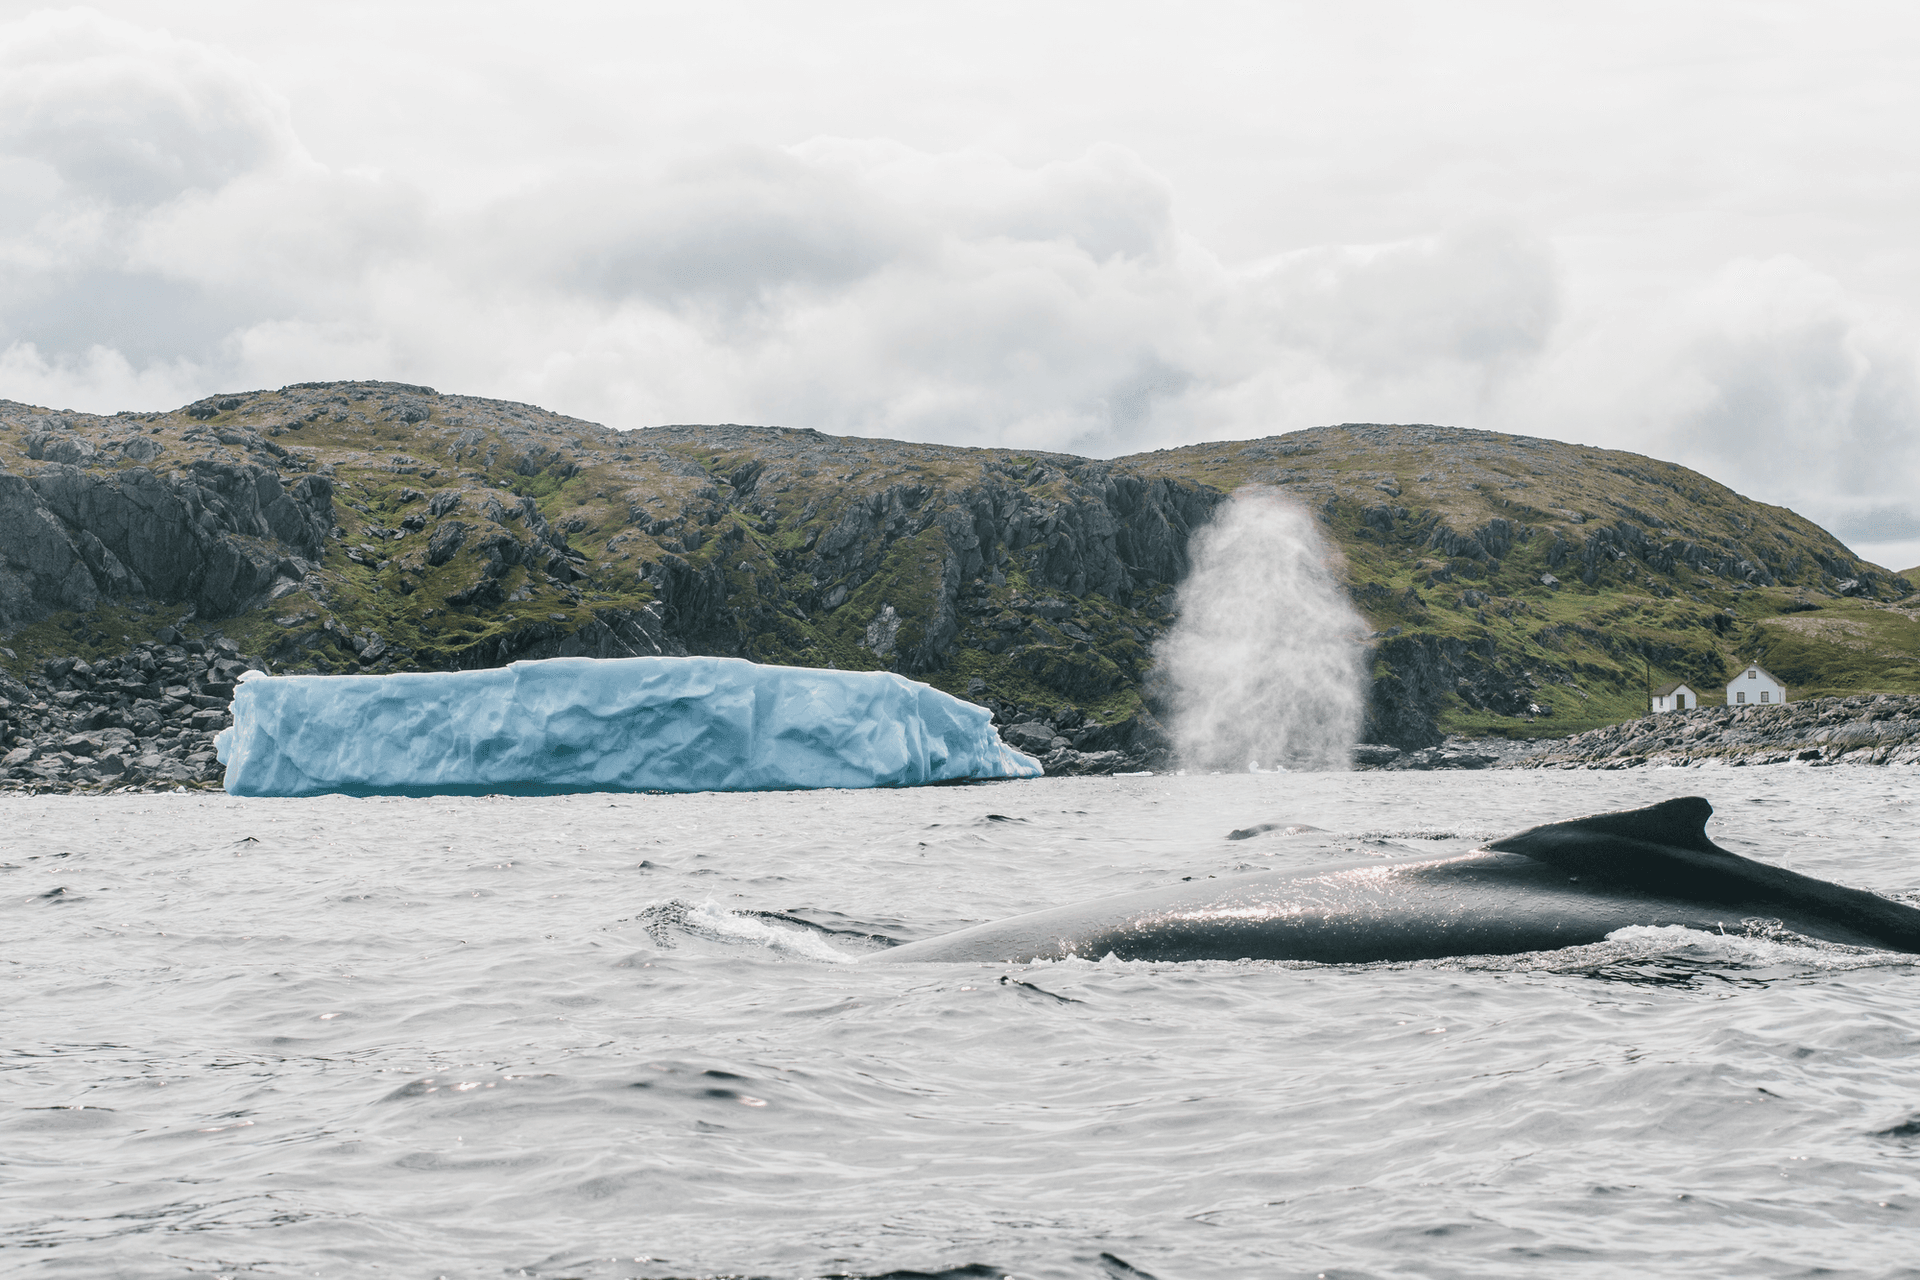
x=1703, y=627
x=605, y=489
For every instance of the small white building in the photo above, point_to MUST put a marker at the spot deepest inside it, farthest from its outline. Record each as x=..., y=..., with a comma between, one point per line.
x=1674, y=697
x=1754, y=685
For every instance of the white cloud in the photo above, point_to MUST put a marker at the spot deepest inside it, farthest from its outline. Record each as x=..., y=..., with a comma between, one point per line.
x=132, y=116
x=164, y=232
x=293, y=241
x=100, y=374
x=1484, y=297
x=1105, y=202
x=732, y=230
x=1772, y=378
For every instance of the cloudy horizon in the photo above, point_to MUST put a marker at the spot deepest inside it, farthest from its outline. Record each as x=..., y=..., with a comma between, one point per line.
x=1683, y=233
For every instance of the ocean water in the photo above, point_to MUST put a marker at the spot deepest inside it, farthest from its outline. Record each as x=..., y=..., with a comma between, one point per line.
x=610, y=1036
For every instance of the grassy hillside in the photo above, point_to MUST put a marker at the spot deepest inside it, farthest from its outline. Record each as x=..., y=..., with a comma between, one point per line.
x=1515, y=585
x=1656, y=571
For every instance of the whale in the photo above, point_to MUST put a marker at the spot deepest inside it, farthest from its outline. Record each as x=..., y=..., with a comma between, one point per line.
x=1563, y=884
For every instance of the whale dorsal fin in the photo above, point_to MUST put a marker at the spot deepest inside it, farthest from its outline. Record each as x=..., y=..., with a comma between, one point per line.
x=1663, y=847
x=1676, y=824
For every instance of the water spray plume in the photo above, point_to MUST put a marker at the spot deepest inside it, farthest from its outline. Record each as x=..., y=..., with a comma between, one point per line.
x=1263, y=668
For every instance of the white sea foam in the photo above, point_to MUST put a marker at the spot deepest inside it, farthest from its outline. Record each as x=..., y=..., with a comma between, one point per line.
x=731, y=926
x=716, y=923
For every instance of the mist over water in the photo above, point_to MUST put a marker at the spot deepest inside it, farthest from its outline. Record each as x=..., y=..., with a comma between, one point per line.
x=1263, y=668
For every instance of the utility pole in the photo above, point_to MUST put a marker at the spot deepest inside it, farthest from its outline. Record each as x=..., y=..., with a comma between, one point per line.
x=1649, y=662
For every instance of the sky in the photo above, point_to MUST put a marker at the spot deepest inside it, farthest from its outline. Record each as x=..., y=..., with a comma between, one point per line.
x=1682, y=230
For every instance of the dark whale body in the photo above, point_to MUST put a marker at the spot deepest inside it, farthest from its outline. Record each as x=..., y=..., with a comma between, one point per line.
x=1560, y=885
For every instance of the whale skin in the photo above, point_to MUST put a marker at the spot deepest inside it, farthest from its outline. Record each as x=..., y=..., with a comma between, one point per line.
x=1559, y=885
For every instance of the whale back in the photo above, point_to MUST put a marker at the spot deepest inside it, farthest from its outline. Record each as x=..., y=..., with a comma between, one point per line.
x=1558, y=885
x=1663, y=849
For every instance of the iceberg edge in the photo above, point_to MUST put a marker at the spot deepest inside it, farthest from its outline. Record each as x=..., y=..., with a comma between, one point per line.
x=557, y=726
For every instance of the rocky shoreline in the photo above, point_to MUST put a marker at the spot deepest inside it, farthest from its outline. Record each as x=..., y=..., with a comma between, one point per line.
x=1866, y=729
x=144, y=721
x=1454, y=752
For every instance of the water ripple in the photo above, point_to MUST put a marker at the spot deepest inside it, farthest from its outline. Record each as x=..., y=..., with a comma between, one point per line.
x=568, y=1037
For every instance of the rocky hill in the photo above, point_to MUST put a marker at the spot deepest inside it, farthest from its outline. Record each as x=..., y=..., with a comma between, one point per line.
x=1507, y=573
x=1515, y=586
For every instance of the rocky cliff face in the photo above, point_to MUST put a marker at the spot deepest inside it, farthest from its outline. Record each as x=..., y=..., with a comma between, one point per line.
x=94, y=524
x=962, y=544
x=1514, y=585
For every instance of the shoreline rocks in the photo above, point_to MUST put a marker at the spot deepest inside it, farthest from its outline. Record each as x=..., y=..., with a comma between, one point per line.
x=1068, y=743
x=1455, y=752
x=144, y=720
x=1864, y=729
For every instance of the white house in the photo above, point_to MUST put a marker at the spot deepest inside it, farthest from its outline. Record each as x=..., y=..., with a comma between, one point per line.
x=1674, y=697
x=1754, y=685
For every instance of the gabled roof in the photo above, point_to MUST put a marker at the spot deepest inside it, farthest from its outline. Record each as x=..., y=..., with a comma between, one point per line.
x=1661, y=691
x=1754, y=666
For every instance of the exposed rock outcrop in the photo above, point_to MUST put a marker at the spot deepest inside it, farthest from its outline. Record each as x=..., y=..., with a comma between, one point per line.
x=1421, y=671
x=218, y=536
x=1067, y=526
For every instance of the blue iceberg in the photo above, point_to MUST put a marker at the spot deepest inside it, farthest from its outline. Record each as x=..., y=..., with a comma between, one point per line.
x=604, y=724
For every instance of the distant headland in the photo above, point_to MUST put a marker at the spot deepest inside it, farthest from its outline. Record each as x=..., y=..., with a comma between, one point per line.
x=1515, y=586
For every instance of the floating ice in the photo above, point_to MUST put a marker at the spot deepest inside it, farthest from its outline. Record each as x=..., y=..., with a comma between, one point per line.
x=614, y=724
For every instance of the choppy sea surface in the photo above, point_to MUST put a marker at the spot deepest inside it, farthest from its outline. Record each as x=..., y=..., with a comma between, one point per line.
x=606, y=1036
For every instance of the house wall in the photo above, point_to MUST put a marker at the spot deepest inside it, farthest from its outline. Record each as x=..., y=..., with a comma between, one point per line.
x=1745, y=689
x=1678, y=700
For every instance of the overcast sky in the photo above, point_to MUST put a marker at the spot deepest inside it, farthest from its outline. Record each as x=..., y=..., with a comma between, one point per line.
x=1686, y=230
